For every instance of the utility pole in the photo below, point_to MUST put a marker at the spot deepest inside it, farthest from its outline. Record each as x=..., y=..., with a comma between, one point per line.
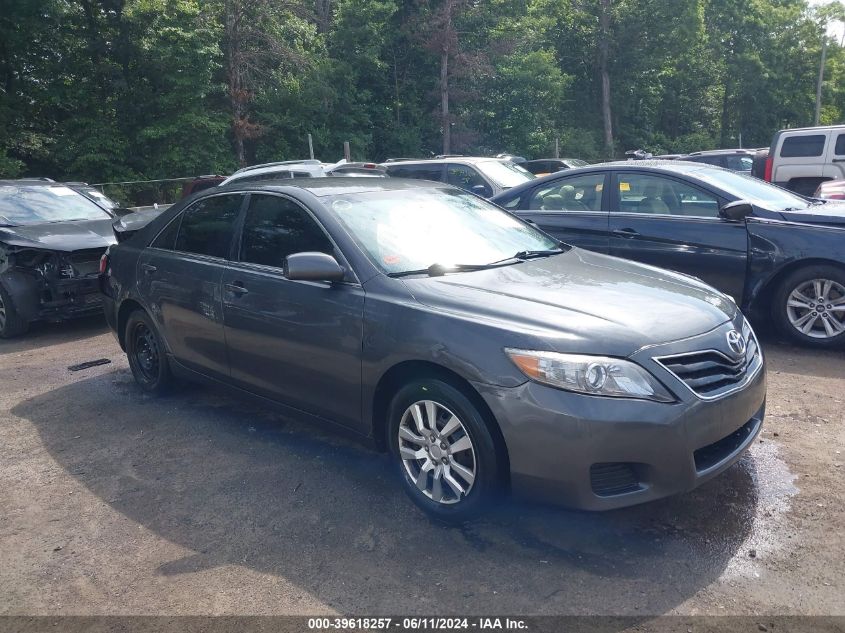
x=821, y=79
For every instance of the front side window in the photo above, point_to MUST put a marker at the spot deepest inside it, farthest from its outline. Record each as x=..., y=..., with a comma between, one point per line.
x=504, y=173
x=38, y=204
x=276, y=227
x=413, y=229
x=578, y=193
x=656, y=195
x=207, y=226
x=467, y=179
x=803, y=146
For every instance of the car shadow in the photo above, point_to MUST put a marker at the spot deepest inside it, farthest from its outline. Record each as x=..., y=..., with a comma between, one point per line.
x=239, y=485
x=46, y=334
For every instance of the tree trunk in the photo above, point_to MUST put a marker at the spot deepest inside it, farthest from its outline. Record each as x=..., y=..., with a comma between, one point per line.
x=444, y=79
x=604, y=48
x=234, y=76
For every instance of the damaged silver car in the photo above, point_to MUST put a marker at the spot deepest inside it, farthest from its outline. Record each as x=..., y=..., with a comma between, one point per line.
x=51, y=241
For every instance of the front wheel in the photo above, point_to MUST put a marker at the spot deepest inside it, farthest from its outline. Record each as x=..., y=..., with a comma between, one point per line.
x=443, y=449
x=146, y=353
x=809, y=306
x=11, y=323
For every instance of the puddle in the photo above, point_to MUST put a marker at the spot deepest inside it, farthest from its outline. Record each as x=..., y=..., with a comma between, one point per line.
x=770, y=529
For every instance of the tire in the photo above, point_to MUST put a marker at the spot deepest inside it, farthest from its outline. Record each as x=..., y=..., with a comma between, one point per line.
x=11, y=323
x=467, y=464
x=802, y=317
x=146, y=353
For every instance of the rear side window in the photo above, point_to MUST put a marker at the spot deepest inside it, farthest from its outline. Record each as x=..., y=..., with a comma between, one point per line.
x=709, y=160
x=578, y=193
x=840, y=145
x=419, y=172
x=739, y=163
x=208, y=224
x=803, y=146
x=277, y=227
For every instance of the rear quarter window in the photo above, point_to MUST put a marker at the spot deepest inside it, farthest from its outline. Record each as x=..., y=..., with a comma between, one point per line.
x=803, y=146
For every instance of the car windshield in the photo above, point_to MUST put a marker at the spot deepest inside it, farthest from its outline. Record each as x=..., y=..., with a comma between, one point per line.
x=37, y=204
x=414, y=229
x=504, y=174
x=99, y=197
x=753, y=190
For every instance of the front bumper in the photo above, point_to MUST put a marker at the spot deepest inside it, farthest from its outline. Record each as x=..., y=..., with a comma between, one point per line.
x=38, y=299
x=599, y=453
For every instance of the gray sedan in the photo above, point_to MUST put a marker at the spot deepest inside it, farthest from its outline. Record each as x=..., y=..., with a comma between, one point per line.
x=480, y=352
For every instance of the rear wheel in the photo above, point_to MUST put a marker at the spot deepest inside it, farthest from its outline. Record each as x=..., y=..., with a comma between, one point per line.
x=443, y=450
x=11, y=323
x=809, y=306
x=146, y=354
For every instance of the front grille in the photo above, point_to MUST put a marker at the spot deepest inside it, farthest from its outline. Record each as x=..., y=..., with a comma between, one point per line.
x=614, y=478
x=710, y=455
x=81, y=263
x=712, y=373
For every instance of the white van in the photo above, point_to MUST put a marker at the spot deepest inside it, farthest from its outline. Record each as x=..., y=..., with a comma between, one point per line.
x=802, y=158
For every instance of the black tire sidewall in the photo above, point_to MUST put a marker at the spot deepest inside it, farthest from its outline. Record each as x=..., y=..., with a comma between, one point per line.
x=488, y=465
x=781, y=296
x=15, y=325
x=163, y=381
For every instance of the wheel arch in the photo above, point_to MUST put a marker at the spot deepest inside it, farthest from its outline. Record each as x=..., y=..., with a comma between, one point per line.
x=762, y=300
x=402, y=373
x=127, y=307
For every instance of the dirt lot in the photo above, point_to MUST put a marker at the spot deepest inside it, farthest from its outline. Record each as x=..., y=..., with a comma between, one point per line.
x=112, y=502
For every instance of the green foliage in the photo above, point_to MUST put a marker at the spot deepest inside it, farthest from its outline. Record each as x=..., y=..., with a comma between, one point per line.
x=104, y=90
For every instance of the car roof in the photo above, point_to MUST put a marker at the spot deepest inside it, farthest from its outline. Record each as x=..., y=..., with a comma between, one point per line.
x=716, y=152
x=450, y=159
x=321, y=187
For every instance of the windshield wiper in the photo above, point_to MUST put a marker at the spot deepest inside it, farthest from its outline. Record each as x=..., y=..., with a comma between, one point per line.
x=535, y=254
x=438, y=270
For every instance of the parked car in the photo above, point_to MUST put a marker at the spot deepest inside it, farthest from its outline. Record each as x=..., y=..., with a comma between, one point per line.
x=51, y=241
x=344, y=169
x=801, y=159
x=97, y=197
x=740, y=160
x=201, y=183
x=276, y=171
x=831, y=190
x=545, y=166
x=478, y=350
x=482, y=176
x=773, y=251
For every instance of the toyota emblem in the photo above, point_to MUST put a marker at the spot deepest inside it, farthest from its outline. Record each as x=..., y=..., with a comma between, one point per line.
x=736, y=342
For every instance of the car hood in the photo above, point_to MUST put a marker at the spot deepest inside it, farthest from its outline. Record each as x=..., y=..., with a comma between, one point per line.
x=829, y=213
x=60, y=236
x=581, y=301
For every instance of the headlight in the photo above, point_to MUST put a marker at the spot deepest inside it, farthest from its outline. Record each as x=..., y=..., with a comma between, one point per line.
x=594, y=375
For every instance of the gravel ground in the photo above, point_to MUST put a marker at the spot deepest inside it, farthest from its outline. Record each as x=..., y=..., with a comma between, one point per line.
x=113, y=502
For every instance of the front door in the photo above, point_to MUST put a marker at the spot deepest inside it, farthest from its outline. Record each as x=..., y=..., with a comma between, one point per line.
x=179, y=278
x=672, y=224
x=296, y=342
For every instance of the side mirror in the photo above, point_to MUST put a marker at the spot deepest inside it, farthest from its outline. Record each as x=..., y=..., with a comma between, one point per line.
x=313, y=267
x=736, y=211
x=480, y=190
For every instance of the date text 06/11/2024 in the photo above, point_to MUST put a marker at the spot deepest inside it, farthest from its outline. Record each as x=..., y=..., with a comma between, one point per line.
x=416, y=624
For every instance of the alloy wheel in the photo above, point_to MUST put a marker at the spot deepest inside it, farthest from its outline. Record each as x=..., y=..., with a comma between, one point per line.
x=146, y=351
x=437, y=452
x=816, y=308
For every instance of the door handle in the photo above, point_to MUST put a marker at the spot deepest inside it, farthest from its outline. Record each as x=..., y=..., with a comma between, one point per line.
x=839, y=160
x=148, y=269
x=237, y=288
x=626, y=233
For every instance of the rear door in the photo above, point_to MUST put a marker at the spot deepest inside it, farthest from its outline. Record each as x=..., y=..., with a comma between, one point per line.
x=179, y=278
x=572, y=209
x=671, y=223
x=297, y=342
x=836, y=163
